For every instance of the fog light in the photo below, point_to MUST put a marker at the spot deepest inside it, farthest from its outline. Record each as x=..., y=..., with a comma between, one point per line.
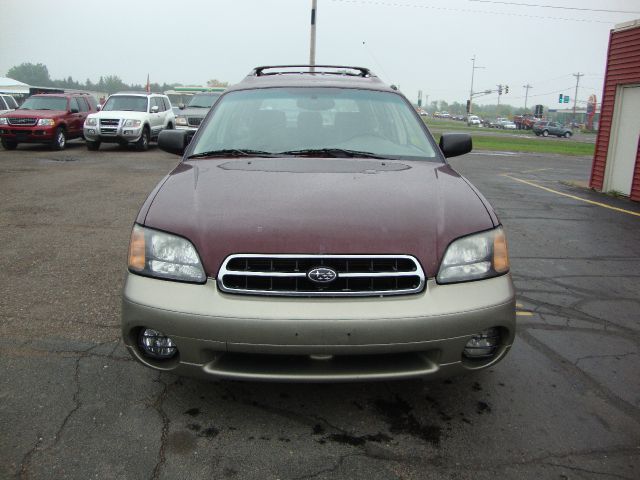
x=92, y=131
x=483, y=344
x=156, y=344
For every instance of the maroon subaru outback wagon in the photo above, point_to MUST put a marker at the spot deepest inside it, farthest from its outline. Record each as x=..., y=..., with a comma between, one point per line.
x=314, y=231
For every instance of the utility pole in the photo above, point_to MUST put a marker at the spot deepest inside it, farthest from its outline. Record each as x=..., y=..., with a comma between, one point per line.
x=312, y=50
x=473, y=71
x=575, y=97
x=526, y=95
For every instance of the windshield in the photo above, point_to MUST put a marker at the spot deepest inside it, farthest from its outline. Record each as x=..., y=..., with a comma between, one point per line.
x=203, y=101
x=45, y=103
x=129, y=103
x=277, y=120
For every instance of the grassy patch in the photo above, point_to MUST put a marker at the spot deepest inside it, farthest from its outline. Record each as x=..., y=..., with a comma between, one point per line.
x=558, y=146
x=532, y=145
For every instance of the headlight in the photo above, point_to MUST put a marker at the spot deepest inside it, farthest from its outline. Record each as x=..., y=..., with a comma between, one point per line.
x=46, y=122
x=3, y=121
x=482, y=255
x=181, y=121
x=91, y=122
x=162, y=255
x=132, y=123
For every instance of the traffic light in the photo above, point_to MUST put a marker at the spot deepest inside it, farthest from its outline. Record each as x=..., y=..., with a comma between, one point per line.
x=566, y=99
x=560, y=98
x=499, y=89
x=468, y=105
x=506, y=89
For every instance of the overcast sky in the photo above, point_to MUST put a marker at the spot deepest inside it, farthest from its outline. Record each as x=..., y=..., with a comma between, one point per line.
x=416, y=44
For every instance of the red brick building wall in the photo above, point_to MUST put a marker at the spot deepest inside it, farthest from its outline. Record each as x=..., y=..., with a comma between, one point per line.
x=623, y=68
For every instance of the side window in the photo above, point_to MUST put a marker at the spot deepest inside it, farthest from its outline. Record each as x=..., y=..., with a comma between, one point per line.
x=156, y=102
x=91, y=100
x=3, y=105
x=167, y=104
x=73, y=104
x=82, y=103
x=11, y=102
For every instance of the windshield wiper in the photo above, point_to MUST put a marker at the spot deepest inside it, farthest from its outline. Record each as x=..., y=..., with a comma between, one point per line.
x=334, y=152
x=232, y=152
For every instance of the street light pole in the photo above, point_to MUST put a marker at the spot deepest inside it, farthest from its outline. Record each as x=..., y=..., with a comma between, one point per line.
x=575, y=97
x=312, y=49
x=526, y=95
x=473, y=71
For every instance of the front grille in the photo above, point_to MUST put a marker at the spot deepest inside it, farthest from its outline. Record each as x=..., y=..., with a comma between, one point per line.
x=288, y=275
x=22, y=121
x=109, y=126
x=194, y=121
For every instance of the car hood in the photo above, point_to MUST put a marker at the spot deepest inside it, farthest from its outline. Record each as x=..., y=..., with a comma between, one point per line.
x=316, y=206
x=35, y=113
x=118, y=114
x=193, y=112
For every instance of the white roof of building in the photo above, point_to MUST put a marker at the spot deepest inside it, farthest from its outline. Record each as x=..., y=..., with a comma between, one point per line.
x=627, y=25
x=9, y=85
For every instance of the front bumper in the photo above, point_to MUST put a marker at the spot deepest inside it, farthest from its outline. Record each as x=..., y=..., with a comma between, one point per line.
x=318, y=339
x=114, y=134
x=35, y=134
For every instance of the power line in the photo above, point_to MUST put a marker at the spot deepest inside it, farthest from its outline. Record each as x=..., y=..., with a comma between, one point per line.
x=555, y=6
x=466, y=10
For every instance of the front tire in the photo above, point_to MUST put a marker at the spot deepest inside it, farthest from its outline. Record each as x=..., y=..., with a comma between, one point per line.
x=143, y=142
x=545, y=133
x=93, y=146
x=567, y=134
x=59, y=139
x=9, y=144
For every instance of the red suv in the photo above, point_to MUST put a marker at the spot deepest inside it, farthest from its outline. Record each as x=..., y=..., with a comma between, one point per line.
x=46, y=118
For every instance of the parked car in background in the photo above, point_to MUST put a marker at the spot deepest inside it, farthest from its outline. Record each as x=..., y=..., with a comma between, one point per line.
x=244, y=262
x=551, y=128
x=129, y=118
x=190, y=116
x=51, y=118
x=526, y=121
x=508, y=125
x=473, y=120
x=7, y=103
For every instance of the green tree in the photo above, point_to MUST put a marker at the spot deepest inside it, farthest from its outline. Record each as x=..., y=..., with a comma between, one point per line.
x=35, y=75
x=111, y=84
x=217, y=83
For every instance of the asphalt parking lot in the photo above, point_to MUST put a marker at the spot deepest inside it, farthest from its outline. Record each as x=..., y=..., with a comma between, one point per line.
x=565, y=403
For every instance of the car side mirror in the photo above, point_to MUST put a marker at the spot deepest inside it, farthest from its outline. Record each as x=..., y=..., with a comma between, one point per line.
x=454, y=144
x=98, y=107
x=174, y=141
x=74, y=110
x=155, y=109
x=181, y=106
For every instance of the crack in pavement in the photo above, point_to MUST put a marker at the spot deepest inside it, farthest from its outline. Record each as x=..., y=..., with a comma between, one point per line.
x=576, y=373
x=338, y=464
x=166, y=421
x=585, y=470
x=24, y=467
x=593, y=357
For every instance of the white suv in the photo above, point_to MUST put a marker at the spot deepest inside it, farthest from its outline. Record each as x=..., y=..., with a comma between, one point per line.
x=129, y=118
x=7, y=103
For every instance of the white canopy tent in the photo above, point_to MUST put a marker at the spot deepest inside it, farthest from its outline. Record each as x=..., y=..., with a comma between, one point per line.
x=13, y=87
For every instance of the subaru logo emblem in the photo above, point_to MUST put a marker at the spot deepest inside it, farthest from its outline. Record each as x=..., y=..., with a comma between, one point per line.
x=322, y=275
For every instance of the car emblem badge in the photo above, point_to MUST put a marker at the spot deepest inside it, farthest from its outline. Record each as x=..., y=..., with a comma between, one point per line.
x=322, y=275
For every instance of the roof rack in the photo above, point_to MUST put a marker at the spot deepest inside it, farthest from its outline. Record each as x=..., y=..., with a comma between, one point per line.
x=311, y=70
